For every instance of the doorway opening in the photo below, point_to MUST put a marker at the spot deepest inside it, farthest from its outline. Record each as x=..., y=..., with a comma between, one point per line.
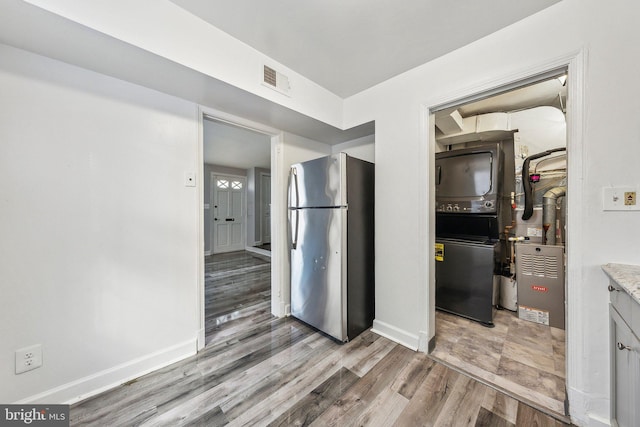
x=523, y=351
x=236, y=268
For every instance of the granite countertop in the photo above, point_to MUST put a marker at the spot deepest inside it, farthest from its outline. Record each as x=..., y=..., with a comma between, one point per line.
x=627, y=276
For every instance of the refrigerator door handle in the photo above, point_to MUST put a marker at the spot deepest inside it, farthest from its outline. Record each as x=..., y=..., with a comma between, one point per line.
x=294, y=234
x=293, y=182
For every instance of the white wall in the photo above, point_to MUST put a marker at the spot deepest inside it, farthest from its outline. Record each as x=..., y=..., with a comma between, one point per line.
x=99, y=234
x=609, y=150
x=361, y=148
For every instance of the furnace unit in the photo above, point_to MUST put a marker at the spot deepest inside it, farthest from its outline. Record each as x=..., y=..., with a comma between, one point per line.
x=540, y=276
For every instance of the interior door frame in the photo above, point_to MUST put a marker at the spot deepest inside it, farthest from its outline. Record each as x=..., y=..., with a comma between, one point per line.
x=213, y=187
x=262, y=176
x=574, y=62
x=279, y=248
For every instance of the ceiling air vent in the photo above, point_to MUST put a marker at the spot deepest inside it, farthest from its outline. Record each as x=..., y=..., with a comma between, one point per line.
x=276, y=80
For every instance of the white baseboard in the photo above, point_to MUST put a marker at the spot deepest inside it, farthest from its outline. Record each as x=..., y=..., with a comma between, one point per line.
x=201, y=339
x=588, y=410
x=99, y=382
x=398, y=335
x=423, y=342
x=596, y=421
x=207, y=253
x=258, y=251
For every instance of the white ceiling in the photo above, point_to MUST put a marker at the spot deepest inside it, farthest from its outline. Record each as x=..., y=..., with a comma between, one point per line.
x=233, y=146
x=344, y=46
x=349, y=46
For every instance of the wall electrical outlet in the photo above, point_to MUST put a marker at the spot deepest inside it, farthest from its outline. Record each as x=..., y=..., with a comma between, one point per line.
x=28, y=358
x=619, y=199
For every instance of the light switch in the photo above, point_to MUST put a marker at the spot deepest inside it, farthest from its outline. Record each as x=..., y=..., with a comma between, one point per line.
x=619, y=199
x=189, y=179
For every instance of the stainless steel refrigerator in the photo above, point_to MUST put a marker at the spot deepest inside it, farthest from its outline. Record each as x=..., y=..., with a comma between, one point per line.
x=331, y=221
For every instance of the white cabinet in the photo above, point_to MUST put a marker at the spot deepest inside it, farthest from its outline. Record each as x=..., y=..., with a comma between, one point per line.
x=625, y=359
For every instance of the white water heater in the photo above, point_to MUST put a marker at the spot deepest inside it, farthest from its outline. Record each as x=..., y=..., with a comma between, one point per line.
x=508, y=293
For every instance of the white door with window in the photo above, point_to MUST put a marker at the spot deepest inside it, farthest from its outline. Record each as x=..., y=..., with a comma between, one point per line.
x=228, y=213
x=265, y=203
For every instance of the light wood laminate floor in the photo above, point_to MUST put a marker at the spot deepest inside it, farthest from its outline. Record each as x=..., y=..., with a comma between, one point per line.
x=237, y=291
x=523, y=358
x=266, y=371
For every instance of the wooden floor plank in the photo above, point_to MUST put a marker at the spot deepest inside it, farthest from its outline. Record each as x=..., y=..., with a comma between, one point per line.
x=382, y=411
x=309, y=407
x=500, y=404
x=464, y=403
x=429, y=399
x=212, y=417
x=487, y=418
x=365, y=351
x=413, y=375
x=367, y=389
x=527, y=416
x=280, y=377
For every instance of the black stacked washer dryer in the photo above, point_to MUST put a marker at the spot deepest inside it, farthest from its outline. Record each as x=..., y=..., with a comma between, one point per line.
x=468, y=223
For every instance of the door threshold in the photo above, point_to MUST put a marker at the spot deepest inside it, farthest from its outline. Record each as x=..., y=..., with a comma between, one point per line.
x=565, y=418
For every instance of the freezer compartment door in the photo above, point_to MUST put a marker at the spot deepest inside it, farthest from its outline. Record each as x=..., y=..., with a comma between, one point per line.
x=318, y=183
x=318, y=267
x=464, y=278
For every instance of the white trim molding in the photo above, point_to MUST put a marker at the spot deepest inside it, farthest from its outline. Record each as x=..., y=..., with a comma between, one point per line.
x=280, y=293
x=94, y=384
x=395, y=334
x=201, y=240
x=574, y=62
x=278, y=215
x=575, y=365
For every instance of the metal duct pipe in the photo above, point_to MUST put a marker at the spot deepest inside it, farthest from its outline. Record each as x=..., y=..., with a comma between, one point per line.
x=526, y=184
x=549, y=207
